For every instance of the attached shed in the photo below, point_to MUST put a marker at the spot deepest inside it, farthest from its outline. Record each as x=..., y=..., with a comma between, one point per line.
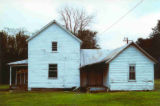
x=93, y=70
x=126, y=68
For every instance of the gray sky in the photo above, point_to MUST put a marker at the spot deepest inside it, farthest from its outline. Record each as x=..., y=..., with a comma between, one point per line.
x=34, y=14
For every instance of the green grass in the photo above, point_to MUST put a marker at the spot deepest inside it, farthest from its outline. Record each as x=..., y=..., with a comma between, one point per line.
x=157, y=85
x=133, y=98
x=4, y=87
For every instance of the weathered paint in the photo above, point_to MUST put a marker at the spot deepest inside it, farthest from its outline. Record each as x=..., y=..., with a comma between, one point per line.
x=67, y=57
x=119, y=71
x=106, y=76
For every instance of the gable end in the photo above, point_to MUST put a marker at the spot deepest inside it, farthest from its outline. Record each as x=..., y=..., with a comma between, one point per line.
x=139, y=48
x=49, y=24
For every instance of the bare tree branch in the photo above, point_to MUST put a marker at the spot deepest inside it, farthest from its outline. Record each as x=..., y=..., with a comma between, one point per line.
x=75, y=19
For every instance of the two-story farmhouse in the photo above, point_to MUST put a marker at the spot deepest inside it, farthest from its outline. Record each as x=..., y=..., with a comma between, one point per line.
x=56, y=61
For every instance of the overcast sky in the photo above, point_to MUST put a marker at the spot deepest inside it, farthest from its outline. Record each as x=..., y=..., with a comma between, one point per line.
x=34, y=14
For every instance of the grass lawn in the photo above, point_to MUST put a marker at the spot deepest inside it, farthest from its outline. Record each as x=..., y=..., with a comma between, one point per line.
x=71, y=98
x=2, y=87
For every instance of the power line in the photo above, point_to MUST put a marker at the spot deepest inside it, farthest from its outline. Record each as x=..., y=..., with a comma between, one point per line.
x=123, y=16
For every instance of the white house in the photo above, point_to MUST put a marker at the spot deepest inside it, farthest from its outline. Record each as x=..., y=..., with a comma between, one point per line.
x=56, y=61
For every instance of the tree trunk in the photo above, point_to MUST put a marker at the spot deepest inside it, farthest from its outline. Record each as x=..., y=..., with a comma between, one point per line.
x=1, y=59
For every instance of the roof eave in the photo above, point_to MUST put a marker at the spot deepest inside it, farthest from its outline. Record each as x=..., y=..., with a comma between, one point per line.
x=140, y=49
x=12, y=65
x=145, y=53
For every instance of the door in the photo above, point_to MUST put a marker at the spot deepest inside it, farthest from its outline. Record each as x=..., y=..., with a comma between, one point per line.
x=95, y=78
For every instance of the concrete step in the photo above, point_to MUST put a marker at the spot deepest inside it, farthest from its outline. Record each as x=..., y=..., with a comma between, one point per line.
x=97, y=89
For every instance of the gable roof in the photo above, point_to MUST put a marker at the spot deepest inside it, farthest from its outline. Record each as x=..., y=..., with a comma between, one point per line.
x=49, y=24
x=118, y=51
x=93, y=56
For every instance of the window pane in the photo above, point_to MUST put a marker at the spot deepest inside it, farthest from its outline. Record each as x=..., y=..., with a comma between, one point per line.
x=52, y=74
x=53, y=66
x=132, y=76
x=130, y=68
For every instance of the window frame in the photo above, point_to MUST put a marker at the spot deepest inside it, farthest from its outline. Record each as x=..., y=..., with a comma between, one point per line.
x=56, y=46
x=132, y=80
x=49, y=71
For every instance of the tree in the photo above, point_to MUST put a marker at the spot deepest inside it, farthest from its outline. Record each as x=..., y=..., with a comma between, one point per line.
x=14, y=48
x=89, y=39
x=1, y=58
x=151, y=44
x=156, y=30
x=75, y=19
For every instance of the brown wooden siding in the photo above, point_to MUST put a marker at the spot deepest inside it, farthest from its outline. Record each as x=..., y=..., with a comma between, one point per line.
x=93, y=75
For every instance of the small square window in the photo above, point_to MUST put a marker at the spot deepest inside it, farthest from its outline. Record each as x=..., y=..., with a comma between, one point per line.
x=54, y=46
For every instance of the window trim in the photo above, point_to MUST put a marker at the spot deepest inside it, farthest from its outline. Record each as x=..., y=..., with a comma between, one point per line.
x=131, y=80
x=52, y=46
x=49, y=70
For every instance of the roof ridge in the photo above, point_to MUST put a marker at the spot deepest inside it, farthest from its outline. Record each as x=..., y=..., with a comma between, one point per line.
x=47, y=25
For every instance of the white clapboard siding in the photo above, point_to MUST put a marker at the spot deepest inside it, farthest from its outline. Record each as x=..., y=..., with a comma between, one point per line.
x=67, y=57
x=119, y=71
x=106, y=80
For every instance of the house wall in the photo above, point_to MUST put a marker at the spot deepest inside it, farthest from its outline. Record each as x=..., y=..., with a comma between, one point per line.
x=67, y=57
x=119, y=71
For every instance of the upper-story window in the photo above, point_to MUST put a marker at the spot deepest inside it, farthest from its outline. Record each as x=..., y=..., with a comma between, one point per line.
x=132, y=72
x=54, y=46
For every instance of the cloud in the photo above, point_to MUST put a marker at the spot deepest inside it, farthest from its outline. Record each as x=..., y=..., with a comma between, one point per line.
x=34, y=14
x=26, y=13
x=130, y=27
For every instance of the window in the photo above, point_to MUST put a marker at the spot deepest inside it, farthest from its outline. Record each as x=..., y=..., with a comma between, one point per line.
x=52, y=71
x=54, y=46
x=132, y=74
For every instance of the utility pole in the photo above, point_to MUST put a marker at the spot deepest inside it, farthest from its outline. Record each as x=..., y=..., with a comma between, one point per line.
x=126, y=40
